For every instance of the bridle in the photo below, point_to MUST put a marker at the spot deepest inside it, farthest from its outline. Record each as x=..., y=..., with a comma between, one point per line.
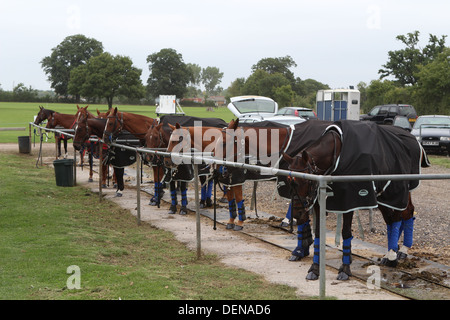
x=86, y=135
x=117, y=128
x=310, y=198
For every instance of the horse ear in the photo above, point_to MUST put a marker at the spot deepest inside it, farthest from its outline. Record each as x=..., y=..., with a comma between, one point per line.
x=98, y=112
x=177, y=125
x=115, y=110
x=78, y=107
x=236, y=124
x=41, y=107
x=287, y=158
x=171, y=126
x=158, y=127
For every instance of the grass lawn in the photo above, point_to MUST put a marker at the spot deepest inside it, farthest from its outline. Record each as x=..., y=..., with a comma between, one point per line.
x=19, y=114
x=44, y=229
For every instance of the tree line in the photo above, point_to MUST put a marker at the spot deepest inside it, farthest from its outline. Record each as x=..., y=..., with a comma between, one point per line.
x=78, y=68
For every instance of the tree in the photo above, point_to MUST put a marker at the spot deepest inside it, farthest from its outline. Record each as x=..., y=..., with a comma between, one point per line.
x=277, y=65
x=72, y=52
x=211, y=78
x=433, y=85
x=107, y=76
x=169, y=75
x=404, y=64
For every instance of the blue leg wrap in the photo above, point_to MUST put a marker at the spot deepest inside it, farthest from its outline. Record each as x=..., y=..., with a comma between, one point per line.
x=304, y=240
x=316, y=250
x=289, y=212
x=347, y=251
x=173, y=194
x=393, y=235
x=203, y=194
x=232, y=209
x=408, y=229
x=209, y=190
x=241, y=210
x=184, y=201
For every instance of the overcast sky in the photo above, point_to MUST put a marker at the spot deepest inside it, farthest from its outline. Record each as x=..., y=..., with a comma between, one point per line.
x=339, y=43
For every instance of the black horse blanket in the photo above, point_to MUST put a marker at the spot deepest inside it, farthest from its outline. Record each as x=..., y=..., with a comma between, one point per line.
x=371, y=149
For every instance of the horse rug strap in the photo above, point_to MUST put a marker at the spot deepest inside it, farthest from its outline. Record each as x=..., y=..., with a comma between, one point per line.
x=371, y=149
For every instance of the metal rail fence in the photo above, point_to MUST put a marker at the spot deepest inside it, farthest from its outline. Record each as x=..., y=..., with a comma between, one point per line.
x=322, y=180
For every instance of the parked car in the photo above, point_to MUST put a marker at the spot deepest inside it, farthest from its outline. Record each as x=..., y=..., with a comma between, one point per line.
x=249, y=109
x=306, y=113
x=433, y=132
x=385, y=114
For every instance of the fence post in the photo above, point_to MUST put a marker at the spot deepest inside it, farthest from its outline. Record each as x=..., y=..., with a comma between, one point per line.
x=323, y=238
x=100, y=171
x=197, y=211
x=138, y=187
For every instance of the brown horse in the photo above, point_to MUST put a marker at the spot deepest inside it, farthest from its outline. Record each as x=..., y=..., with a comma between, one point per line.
x=187, y=137
x=85, y=127
x=263, y=145
x=323, y=158
x=54, y=119
x=135, y=124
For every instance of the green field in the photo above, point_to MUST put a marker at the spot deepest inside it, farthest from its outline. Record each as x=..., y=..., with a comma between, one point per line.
x=18, y=114
x=45, y=229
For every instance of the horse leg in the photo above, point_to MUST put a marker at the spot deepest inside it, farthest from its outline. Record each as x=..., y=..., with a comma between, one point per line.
x=313, y=272
x=210, y=185
x=202, y=191
x=240, y=207
x=344, y=271
x=407, y=227
x=104, y=175
x=231, y=208
x=65, y=148
x=173, y=195
x=304, y=237
x=91, y=170
x=184, y=202
x=120, y=184
x=156, y=199
x=393, y=221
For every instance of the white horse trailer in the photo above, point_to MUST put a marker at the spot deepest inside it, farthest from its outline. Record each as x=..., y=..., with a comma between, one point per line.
x=168, y=105
x=338, y=104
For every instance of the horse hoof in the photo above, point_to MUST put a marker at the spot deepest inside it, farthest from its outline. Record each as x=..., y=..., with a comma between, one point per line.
x=91, y=180
x=183, y=211
x=104, y=186
x=118, y=195
x=401, y=255
x=230, y=226
x=173, y=209
x=312, y=276
x=343, y=276
x=238, y=228
x=389, y=263
x=294, y=258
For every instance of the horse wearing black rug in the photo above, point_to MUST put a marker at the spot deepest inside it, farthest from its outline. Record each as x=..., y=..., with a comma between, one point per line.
x=159, y=137
x=356, y=148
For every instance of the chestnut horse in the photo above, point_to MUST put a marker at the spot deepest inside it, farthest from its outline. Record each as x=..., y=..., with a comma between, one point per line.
x=264, y=140
x=67, y=121
x=324, y=157
x=135, y=124
x=173, y=135
x=85, y=127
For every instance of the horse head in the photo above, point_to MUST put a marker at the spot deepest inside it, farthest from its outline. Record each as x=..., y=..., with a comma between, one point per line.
x=81, y=128
x=43, y=115
x=113, y=127
x=154, y=138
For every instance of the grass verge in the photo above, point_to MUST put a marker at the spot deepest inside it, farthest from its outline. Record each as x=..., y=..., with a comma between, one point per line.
x=45, y=229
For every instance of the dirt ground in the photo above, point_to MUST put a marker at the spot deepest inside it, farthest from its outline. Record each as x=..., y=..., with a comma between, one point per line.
x=233, y=248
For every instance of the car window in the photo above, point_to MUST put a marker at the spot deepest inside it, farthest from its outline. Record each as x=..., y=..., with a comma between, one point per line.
x=254, y=105
x=282, y=111
x=383, y=110
x=421, y=121
x=374, y=111
x=306, y=113
x=404, y=111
